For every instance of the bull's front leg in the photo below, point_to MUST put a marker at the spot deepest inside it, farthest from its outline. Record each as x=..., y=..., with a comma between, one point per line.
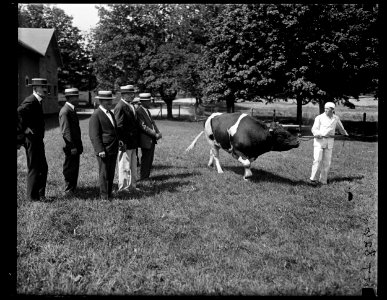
x=245, y=162
x=214, y=155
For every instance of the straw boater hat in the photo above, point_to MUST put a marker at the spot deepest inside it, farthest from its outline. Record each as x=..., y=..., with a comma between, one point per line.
x=135, y=100
x=38, y=82
x=329, y=105
x=105, y=95
x=71, y=92
x=127, y=89
x=145, y=96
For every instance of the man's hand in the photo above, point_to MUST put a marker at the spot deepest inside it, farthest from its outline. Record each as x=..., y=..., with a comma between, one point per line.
x=102, y=154
x=28, y=130
x=74, y=151
x=121, y=146
x=158, y=136
x=318, y=136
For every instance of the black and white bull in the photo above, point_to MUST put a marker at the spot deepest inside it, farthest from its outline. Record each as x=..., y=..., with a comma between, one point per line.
x=244, y=137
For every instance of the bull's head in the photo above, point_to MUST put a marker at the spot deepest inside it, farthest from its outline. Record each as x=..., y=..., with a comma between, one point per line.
x=282, y=140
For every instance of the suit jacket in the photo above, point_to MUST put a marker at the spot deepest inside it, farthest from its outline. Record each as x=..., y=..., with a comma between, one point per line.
x=127, y=125
x=69, y=125
x=102, y=133
x=148, y=128
x=30, y=114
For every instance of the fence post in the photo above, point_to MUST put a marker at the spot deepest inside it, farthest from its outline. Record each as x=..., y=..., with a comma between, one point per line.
x=252, y=111
x=274, y=115
x=179, y=111
x=364, y=123
x=161, y=110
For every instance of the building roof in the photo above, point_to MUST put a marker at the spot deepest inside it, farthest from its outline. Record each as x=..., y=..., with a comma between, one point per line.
x=38, y=40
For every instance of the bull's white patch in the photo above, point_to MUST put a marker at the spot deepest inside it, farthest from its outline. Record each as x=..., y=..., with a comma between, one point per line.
x=208, y=129
x=245, y=162
x=233, y=129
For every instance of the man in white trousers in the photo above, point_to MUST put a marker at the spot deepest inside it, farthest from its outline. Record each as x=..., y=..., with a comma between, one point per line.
x=128, y=133
x=323, y=130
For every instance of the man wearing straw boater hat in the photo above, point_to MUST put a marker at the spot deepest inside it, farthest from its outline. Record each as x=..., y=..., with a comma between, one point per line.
x=31, y=124
x=104, y=138
x=323, y=130
x=149, y=134
x=71, y=132
x=128, y=131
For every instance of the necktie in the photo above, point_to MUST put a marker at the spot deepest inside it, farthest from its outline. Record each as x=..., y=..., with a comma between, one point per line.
x=111, y=116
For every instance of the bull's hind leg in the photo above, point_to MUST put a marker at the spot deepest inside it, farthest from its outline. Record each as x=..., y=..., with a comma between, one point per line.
x=215, y=156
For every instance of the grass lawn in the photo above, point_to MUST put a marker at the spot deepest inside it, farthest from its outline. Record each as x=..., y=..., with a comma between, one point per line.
x=193, y=231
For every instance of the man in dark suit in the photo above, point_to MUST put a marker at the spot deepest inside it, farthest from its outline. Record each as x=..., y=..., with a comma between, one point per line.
x=31, y=125
x=104, y=138
x=149, y=134
x=71, y=132
x=128, y=131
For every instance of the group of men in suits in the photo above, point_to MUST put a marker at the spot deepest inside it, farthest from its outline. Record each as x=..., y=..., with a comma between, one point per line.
x=112, y=135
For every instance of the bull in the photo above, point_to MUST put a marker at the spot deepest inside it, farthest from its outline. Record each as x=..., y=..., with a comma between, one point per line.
x=244, y=137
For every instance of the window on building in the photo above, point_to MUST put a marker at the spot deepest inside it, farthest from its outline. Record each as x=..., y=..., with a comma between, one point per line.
x=27, y=79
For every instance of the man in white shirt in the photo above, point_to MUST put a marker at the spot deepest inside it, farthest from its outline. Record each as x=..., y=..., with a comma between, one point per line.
x=323, y=130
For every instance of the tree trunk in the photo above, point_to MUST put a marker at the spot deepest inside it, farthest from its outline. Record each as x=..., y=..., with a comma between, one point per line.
x=299, y=110
x=168, y=102
x=230, y=105
x=321, y=104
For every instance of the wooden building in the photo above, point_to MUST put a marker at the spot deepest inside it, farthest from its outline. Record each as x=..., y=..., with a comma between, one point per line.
x=38, y=57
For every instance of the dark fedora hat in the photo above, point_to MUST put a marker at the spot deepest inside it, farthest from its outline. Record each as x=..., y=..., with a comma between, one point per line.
x=72, y=92
x=145, y=96
x=127, y=89
x=105, y=95
x=38, y=82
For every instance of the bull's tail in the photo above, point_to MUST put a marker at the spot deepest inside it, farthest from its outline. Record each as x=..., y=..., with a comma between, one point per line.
x=190, y=147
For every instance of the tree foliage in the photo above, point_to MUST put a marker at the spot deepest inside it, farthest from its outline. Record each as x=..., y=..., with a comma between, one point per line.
x=310, y=52
x=76, y=69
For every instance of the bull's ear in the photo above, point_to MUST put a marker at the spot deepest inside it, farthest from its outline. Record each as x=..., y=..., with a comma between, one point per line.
x=270, y=129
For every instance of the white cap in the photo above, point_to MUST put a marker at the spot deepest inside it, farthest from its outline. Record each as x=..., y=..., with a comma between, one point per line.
x=329, y=105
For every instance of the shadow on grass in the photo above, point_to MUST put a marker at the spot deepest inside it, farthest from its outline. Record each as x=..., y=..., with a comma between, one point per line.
x=163, y=167
x=265, y=176
x=168, y=176
x=87, y=192
x=345, y=178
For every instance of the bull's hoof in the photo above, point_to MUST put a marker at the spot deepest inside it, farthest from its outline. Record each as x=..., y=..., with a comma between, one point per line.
x=246, y=178
x=220, y=172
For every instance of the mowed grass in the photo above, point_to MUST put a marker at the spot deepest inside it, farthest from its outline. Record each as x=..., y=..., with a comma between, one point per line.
x=193, y=231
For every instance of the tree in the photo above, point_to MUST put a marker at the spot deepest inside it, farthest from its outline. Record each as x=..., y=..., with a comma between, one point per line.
x=152, y=46
x=76, y=67
x=313, y=53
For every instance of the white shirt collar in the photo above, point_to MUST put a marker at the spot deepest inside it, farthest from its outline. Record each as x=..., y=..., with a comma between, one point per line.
x=37, y=96
x=69, y=104
x=103, y=109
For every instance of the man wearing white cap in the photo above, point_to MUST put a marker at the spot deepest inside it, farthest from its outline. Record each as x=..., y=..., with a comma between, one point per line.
x=128, y=134
x=71, y=132
x=323, y=130
x=31, y=124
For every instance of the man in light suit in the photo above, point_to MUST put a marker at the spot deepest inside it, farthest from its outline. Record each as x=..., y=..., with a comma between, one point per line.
x=71, y=132
x=31, y=134
x=149, y=134
x=128, y=131
x=104, y=138
x=323, y=130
